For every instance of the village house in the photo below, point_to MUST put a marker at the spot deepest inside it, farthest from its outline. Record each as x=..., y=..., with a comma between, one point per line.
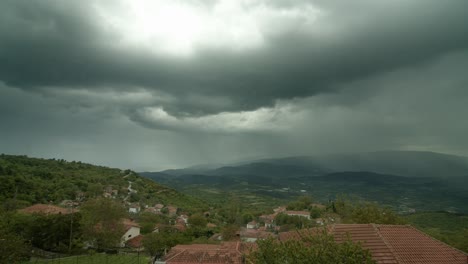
x=134, y=208
x=132, y=230
x=305, y=214
x=280, y=209
x=319, y=221
x=158, y=207
x=183, y=218
x=172, y=210
x=269, y=220
x=390, y=244
x=252, y=225
x=152, y=210
x=227, y=252
x=252, y=235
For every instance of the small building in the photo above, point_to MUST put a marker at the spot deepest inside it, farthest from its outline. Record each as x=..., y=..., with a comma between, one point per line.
x=252, y=225
x=390, y=243
x=227, y=252
x=252, y=235
x=158, y=207
x=280, y=209
x=269, y=223
x=319, y=221
x=132, y=230
x=183, y=218
x=134, y=208
x=305, y=214
x=172, y=210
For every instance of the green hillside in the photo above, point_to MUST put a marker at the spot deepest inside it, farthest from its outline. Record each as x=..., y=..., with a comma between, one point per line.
x=25, y=181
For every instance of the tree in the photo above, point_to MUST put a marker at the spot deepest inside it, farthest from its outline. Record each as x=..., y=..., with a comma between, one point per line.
x=158, y=243
x=13, y=247
x=197, y=220
x=302, y=203
x=101, y=221
x=317, y=248
x=359, y=212
x=229, y=232
x=371, y=213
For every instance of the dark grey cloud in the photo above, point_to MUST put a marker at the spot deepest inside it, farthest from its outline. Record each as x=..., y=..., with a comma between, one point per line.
x=361, y=75
x=51, y=43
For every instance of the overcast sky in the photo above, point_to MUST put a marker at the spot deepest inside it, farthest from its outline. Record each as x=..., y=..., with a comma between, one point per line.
x=156, y=84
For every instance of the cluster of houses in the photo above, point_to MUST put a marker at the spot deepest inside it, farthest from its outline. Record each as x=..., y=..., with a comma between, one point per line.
x=266, y=226
x=387, y=243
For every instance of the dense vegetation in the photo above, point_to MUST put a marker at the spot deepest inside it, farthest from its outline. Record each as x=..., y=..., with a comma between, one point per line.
x=235, y=200
x=273, y=181
x=318, y=248
x=27, y=181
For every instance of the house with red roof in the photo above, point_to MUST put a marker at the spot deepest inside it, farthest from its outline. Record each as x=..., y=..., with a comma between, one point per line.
x=389, y=244
x=135, y=242
x=252, y=225
x=132, y=230
x=227, y=252
x=305, y=214
x=47, y=209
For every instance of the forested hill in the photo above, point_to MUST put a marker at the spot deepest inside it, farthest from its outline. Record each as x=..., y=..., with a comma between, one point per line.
x=25, y=181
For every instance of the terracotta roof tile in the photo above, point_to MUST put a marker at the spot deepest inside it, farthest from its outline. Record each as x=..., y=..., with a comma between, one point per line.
x=370, y=239
x=391, y=243
x=228, y=252
x=46, y=209
x=135, y=242
x=414, y=247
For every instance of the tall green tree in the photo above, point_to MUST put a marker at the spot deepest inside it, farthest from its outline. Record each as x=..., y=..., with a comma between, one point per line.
x=309, y=249
x=197, y=220
x=101, y=221
x=156, y=244
x=13, y=247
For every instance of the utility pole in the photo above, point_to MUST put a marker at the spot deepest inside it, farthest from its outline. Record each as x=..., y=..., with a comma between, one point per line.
x=71, y=229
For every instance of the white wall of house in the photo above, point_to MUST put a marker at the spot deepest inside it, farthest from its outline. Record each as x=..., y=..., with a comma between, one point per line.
x=251, y=226
x=133, y=210
x=301, y=215
x=131, y=233
x=249, y=239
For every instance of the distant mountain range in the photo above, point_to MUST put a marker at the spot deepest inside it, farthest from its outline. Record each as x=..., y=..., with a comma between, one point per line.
x=403, y=179
x=403, y=163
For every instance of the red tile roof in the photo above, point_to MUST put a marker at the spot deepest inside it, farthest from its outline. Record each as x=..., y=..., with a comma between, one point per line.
x=227, y=252
x=128, y=223
x=412, y=246
x=135, y=242
x=392, y=243
x=46, y=209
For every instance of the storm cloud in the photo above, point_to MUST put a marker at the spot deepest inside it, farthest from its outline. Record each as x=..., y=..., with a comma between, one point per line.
x=230, y=79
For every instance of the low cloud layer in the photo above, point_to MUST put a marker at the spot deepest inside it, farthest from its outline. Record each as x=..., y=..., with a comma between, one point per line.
x=136, y=83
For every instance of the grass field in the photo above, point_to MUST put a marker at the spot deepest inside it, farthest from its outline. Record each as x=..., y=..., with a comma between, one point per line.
x=97, y=259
